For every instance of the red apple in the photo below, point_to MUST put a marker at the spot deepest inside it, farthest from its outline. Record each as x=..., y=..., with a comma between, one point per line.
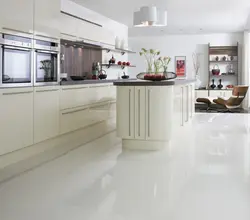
x=128, y=63
x=119, y=63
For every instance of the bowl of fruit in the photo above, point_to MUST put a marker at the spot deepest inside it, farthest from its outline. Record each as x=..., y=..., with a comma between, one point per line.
x=156, y=76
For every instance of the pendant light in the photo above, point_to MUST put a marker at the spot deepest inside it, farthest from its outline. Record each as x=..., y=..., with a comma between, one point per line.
x=150, y=16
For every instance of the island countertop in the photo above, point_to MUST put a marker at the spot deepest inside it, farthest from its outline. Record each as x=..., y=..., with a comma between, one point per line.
x=153, y=83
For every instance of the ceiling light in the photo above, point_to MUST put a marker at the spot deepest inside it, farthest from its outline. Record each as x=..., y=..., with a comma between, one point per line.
x=150, y=16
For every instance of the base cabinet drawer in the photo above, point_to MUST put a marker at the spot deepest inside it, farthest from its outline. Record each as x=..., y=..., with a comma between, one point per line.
x=75, y=97
x=74, y=119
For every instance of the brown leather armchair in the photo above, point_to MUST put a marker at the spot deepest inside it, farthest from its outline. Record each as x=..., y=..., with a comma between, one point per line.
x=235, y=101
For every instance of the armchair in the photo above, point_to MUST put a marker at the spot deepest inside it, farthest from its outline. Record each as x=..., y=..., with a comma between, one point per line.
x=235, y=101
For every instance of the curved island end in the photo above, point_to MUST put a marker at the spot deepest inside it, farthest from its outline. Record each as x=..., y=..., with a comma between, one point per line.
x=148, y=112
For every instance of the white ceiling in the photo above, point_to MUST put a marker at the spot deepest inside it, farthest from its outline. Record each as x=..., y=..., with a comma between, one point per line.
x=184, y=16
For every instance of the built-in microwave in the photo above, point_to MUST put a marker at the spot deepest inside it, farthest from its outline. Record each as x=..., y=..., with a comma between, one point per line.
x=16, y=60
x=46, y=61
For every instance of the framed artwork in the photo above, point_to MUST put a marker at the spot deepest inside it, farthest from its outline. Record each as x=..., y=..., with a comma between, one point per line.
x=180, y=66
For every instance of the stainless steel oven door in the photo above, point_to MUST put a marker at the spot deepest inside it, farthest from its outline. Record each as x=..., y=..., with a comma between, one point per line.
x=46, y=67
x=16, y=66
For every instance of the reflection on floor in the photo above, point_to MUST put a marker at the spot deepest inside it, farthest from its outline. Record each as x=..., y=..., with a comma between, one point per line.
x=201, y=108
x=205, y=175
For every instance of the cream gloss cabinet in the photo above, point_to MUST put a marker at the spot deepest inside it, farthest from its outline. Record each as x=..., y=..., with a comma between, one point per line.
x=47, y=18
x=141, y=111
x=17, y=16
x=46, y=113
x=16, y=119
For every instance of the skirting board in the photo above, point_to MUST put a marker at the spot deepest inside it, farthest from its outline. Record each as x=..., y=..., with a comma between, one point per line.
x=20, y=161
x=145, y=145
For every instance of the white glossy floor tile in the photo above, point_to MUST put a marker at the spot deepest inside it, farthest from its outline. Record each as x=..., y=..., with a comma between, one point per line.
x=204, y=176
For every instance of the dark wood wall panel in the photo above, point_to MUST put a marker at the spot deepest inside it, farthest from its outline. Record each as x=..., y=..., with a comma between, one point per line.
x=78, y=61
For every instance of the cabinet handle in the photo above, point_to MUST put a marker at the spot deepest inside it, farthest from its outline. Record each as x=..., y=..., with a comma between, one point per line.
x=48, y=37
x=49, y=90
x=187, y=110
x=70, y=35
x=15, y=30
x=191, y=108
x=149, y=113
x=129, y=116
x=17, y=48
x=98, y=86
x=75, y=88
x=45, y=51
x=97, y=106
x=182, y=105
x=17, y=93
x=139, y=114
x=79, y=110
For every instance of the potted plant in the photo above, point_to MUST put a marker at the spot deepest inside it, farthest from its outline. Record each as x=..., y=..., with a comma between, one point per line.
x=150, y=58
x=46, y=66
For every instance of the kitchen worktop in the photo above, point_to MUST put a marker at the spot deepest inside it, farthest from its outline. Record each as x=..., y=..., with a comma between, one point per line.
x=153, y=83
x=71, y=82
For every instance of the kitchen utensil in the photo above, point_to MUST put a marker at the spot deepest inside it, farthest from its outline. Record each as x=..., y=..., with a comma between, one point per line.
x=216, y=58
x=117, y=42
x=6, y=78
x=77, y=78
x=112, y=60
x=63, y=76
x=224, y=58
x=125, y=76
x=216, y=70
x=231, y=70
x=102, y=74
x=156, y=77
x=220, y=86
x=212, y=85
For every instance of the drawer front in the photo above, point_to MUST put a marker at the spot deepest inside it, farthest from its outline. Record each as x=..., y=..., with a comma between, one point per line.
x=74, y=97
x=74, y=120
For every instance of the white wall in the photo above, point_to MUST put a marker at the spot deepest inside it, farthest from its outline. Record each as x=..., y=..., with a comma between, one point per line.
x=182, y=45
x=116, y=28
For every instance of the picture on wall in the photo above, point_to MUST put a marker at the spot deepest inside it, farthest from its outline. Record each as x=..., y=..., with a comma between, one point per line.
x=180, y=66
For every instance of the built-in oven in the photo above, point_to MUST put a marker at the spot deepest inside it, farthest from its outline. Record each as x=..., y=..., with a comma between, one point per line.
x=46, y=66
x=16, y=60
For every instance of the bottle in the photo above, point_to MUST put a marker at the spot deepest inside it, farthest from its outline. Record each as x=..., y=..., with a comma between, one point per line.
x=212, y=85
x=220, y=86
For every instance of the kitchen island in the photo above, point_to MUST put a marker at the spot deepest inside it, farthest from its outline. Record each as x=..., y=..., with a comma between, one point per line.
x=148, y=112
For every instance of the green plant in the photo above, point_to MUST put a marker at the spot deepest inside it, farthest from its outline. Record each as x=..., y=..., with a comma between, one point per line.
x=46, y=66
x=157, y=65
x=149, y=56
x=165, y=61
